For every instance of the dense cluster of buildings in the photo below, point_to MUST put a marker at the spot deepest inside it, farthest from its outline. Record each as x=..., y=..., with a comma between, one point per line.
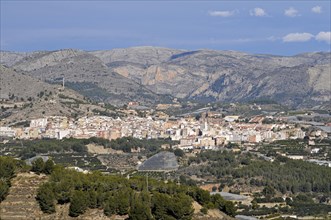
x=207, y=132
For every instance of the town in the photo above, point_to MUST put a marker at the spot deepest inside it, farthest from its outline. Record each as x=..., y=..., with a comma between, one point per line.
x=209, y=130
x=213, y=149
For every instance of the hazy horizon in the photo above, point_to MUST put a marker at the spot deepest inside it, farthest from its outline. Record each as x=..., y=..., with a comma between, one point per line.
x=255, y=27
x=142, y=46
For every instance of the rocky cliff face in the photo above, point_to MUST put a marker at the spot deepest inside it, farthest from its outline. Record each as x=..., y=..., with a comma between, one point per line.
x=146, y=73
x=208, y=75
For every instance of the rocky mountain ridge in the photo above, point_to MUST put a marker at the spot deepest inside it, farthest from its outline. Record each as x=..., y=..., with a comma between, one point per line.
x=152, y=75
x=209, y=75
x=86, y=74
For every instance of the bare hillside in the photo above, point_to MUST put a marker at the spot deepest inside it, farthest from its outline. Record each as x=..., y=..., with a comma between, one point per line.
x=26, y=98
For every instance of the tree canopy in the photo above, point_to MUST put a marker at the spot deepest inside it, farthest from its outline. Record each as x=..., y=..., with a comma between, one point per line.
x=119, y=195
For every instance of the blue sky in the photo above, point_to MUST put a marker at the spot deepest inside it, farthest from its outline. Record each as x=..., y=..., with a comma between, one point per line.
x=268, y=27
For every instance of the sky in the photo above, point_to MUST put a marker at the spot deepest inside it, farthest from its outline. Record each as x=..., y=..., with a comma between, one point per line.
x=259, y=27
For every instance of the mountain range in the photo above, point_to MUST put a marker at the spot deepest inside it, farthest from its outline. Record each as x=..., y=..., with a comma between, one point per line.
x=153, y=75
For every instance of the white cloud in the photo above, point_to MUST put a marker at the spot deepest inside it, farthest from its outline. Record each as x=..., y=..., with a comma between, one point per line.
x=222, y=13
x=297, y=37
x=291, y=12
x=324, y=36
x=258, y=12
x=317, y=9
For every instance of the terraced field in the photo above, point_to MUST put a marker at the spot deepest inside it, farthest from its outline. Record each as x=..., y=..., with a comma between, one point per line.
x=20, y=202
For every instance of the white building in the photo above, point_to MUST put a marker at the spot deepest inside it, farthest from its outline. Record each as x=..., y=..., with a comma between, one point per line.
x=38, y=123
x=7, y=132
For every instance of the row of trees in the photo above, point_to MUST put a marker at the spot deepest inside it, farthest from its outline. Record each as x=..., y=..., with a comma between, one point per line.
x=28, y=149
x=127, y=143
x=34, y=147
x=301, y=205
x=293, y=176
x=118, y=195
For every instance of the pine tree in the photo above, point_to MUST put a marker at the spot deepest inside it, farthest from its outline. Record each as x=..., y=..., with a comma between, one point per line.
x=46, y=198
x=49, y=166
x=78, y=203
x=38, y=165
x=140, y=206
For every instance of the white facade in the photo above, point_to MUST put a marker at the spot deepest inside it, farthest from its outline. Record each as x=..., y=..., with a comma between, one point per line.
x=38, y=123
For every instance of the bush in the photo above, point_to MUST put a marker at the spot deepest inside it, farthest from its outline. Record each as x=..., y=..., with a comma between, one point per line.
x=179, y=152
x=204, y=210
x=4, y=188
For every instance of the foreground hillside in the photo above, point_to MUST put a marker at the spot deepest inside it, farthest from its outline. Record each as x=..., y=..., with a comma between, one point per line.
x=146, y=74
x=64, y=194
x=20, y=203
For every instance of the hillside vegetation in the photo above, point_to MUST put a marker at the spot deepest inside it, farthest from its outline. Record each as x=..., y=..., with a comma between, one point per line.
x=121, y=196
x=304, y=184
x=134, y=197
